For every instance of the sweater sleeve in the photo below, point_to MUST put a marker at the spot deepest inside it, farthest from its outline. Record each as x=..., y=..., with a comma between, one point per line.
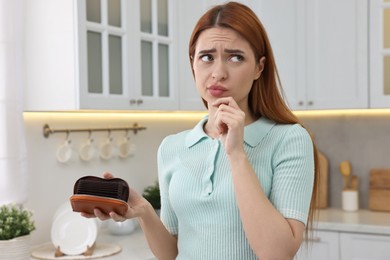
x=165, y=171
x=293, y=174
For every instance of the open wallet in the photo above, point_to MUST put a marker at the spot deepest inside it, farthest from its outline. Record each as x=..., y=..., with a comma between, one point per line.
x=107, y=195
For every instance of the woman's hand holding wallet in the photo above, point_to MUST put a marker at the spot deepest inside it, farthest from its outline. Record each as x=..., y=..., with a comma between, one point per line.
x=106, y=198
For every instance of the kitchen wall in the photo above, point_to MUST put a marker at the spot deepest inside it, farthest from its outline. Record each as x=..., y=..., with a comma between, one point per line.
x=361, y=137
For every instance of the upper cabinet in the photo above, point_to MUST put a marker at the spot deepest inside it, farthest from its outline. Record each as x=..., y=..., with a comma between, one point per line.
x=380, y=53
x=100, y=54
x=127, y=54
x=133, y=54
x=51, y=63
x=320, y=48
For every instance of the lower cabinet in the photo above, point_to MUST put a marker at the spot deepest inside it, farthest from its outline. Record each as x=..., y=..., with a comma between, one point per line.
x=333, y=245
x=323, y=245
x=363, y=246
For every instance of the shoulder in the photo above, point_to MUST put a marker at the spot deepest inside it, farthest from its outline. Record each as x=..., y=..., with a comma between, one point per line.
x=289, y=132
x=174, y=141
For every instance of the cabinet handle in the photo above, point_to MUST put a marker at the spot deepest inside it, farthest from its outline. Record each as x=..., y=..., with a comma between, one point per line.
x=314, y=239
x=300, y=103
x=138, y=101
x=310, y=103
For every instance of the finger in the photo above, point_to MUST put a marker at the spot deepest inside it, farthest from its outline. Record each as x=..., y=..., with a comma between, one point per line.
x=86, y=215
x=107, y=175
x=229, y=101
x=116, y=217
x=100, y=215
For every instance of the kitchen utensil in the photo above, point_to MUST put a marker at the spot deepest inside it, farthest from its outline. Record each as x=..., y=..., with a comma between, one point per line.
x=379, y=192
x=354, y=182
x=345, y=169
x=125, y=148
x=106, y=148
x=323, y=181
x=350, y=200
x=87, y=151
x=122, y=228
x=64, y=151
x=72, y=233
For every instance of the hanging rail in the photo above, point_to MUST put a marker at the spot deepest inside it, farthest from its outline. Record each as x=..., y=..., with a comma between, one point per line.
x=47, y=131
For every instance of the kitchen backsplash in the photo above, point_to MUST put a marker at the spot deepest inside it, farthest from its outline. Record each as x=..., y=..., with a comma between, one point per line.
x=363, y=139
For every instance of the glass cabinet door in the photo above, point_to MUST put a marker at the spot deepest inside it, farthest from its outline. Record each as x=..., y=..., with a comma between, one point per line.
x=386, y=48
x=104, y=47
x=380, y=53
x=126, y=54
x=155, y=48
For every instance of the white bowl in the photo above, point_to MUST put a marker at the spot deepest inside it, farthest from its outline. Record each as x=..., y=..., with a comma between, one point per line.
x=122, y=228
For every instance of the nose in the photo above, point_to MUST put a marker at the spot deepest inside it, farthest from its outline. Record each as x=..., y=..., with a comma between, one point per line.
x=219, y=72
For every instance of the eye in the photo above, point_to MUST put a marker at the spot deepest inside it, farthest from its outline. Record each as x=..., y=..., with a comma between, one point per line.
x=206, y=58
x=236, y=58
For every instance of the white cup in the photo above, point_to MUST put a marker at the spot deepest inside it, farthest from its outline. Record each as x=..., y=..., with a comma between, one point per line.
x=106, y=149
x=64, y=152
x=350, y=200
x=125, y=148
x=87, y=151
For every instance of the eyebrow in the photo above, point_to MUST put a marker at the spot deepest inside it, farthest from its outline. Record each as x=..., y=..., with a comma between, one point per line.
x=226, y=50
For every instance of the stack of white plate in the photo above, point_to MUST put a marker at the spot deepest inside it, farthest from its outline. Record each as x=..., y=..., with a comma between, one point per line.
x=71, y=232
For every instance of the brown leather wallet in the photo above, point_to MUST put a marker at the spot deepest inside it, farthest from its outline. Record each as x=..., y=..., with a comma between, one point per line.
x=90, y=192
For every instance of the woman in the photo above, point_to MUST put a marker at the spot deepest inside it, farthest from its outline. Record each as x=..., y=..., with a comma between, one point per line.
x=241, y=184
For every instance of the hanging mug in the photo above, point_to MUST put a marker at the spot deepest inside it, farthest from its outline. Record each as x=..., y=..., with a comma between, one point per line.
x=64, y=151
x=106, y=148
x=87, y=150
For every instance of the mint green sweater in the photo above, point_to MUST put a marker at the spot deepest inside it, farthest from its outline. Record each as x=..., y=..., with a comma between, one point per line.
x=197, y=197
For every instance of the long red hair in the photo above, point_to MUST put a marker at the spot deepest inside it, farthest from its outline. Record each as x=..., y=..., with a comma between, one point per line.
x=266, y=97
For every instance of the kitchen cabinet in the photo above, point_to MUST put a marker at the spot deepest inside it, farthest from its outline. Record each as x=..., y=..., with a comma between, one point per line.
x=364, y=246
x=50, y=60
x=103, y=54
x=78, y=59
x=320, y=48
x=380, y=53
x=324, y=245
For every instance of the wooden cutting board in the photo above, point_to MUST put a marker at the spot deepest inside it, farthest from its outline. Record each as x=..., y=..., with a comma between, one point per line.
x=323, y=181
x=379, y=193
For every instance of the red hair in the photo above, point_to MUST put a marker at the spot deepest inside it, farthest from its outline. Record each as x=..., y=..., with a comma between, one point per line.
x=266, y=96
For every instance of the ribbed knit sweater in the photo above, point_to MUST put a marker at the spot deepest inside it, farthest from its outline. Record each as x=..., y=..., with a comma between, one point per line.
x=197, y=198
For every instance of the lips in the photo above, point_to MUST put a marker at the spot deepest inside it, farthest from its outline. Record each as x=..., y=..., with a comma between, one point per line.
x=216, y=91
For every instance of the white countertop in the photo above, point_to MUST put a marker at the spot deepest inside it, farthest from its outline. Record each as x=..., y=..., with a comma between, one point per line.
x=361, y=221
x=135, y=247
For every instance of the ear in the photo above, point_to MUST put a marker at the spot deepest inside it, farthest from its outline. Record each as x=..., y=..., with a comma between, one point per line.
x=259, y=68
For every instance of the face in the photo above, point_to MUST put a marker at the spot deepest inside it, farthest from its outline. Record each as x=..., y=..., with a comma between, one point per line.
x=224, y=66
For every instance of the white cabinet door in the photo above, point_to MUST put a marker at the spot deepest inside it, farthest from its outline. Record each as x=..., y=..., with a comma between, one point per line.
x=323, y=246
x=137, y=68
x=51, y=78
x=379, y=53
x=320, y=47
x=337, y=71
x=190, y=12
x=78, y=57
x=362, y=246
x=284, y=21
